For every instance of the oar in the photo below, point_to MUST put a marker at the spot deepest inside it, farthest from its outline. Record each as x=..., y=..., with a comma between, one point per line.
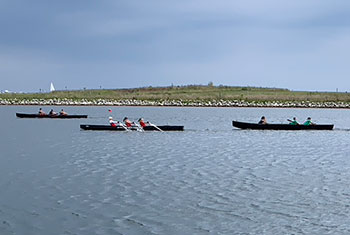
x=122, y=124
x=139, y=128
x=156, y=127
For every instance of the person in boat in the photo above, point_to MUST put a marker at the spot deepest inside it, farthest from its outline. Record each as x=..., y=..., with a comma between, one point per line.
x=308, y=122
x=293, y=122
x=41, y=112
x=114, y=123
x=52, y=113
x=63, y=113
x=262, y=121
x=142, y=122
x=127, y=122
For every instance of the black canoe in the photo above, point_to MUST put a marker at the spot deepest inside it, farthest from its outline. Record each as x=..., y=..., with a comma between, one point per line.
x=255, y=126
x=119, y=128
x=25, y=115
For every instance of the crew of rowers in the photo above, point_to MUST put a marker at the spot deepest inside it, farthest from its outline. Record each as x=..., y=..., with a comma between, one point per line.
x=308, y=121
x=127, y=123
x=52, y=113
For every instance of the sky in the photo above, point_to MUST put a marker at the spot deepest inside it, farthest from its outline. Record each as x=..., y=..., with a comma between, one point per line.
x=76, y=44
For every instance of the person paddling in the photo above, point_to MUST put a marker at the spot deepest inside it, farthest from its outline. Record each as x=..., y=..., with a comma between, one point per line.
x=41, y=112
x=142, y=122
x=262, y=121
x=52, y=113
x=114, y=123
x=308, y=122
x=63, y=113
x=127, y=122
x=294, y=122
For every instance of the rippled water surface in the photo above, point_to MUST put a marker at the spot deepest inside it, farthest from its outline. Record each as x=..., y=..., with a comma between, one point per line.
x=209, y=179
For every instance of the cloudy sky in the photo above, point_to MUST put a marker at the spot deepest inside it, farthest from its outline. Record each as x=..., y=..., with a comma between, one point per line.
x=299, y=45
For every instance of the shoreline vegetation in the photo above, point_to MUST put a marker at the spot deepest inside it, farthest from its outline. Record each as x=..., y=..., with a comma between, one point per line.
x=192, y=96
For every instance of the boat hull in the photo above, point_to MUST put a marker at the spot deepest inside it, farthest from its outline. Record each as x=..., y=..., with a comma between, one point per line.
x=119, y=128
x=287, y=127
x=25, y=115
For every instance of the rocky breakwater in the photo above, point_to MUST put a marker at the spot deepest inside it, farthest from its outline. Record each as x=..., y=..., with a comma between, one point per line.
x=179, y=103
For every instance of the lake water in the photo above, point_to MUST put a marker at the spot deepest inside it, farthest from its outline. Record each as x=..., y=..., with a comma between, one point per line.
x=209, y=179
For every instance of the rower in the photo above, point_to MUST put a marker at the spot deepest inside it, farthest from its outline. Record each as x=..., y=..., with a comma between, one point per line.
x=52, y=113
x=308, y=122
x=127, y=122
x=142, y=122
x=294, y=122
x=113, y=123
x=262, y=121
x=41, y=112
x=63, y=113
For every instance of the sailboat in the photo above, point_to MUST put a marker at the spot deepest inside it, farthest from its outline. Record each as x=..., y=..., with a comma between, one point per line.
x=52, y=88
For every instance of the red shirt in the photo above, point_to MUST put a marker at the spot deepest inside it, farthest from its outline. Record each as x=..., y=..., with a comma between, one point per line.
x=112, y=123
x=128, y=123
x=142, y=123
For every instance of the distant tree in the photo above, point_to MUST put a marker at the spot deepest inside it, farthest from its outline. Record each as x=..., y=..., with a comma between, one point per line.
x=210, y=84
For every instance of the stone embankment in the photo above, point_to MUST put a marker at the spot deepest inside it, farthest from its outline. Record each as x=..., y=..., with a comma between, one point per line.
x=180, y=103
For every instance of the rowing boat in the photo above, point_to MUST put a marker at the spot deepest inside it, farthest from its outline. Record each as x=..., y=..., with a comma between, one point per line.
x=120, y=128
x=255, y=126
x=25, y=115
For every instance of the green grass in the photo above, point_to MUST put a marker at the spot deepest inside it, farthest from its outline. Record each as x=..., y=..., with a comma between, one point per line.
x=191, y=93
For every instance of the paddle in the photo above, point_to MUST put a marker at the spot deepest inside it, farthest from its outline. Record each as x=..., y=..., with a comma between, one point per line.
x=155, y=127
x=139, y=128
x=123, y=125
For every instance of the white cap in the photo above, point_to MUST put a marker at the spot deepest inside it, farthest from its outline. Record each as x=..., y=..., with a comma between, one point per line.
x=110, y=118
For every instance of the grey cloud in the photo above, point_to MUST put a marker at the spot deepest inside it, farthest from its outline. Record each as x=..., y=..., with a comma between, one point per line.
x=110, y=43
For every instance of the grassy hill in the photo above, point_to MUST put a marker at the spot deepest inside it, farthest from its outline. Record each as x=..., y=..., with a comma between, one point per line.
x=198, y=93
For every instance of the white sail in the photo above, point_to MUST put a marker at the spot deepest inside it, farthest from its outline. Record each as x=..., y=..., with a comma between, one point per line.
x=52, y=88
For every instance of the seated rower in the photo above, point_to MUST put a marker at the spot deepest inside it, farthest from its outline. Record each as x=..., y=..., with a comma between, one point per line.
x=41, y=112
x=308, y=122
x=63, y=113
x=127, y=122
x=294, y=122
x=142, y=123
x=114, y=123
x=52, y=113
x=262, y=121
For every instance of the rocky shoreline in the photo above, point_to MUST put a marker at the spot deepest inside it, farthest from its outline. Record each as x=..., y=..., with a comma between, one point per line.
x=176, y=103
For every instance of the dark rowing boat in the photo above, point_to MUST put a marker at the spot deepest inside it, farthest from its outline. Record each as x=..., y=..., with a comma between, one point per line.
x=25, y=115
x=119, y=128
x=288, y=127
